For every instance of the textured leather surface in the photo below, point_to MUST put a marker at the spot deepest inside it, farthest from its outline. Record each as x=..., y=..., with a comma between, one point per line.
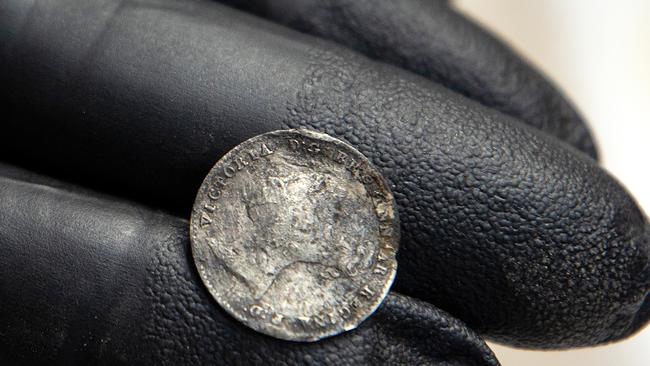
x=88, y=279
x=431, y=39
x=504, y=226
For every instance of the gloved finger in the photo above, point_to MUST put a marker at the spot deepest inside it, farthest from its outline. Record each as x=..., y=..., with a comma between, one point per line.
x=87, y=279
x=431, y=39
x=511, y=230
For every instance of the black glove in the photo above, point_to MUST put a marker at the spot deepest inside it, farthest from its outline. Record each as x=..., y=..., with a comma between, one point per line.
x=504, y=226
x=430, y=39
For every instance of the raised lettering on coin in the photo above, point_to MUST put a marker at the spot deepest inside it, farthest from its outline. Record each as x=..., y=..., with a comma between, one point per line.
x=294, y=233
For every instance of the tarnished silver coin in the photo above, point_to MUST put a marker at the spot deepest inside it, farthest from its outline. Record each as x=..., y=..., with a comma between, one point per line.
x=295, y=233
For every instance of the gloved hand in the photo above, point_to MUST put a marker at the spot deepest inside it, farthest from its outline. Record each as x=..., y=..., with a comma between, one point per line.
x=505, y=224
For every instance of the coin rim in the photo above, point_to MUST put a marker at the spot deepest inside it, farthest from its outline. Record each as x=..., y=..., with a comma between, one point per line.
x=263, y=327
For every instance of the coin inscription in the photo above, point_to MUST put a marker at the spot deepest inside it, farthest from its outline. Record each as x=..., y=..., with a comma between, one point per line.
x=295, y=233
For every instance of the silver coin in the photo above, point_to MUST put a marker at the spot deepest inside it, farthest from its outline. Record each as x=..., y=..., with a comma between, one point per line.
x=294, y=233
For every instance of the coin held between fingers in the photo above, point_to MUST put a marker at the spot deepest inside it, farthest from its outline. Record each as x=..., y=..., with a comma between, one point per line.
x=295, y=233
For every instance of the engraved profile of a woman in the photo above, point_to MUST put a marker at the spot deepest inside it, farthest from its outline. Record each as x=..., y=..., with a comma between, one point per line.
x=300, y=220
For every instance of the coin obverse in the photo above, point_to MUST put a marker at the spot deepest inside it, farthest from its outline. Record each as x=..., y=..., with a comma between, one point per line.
x=294, y=233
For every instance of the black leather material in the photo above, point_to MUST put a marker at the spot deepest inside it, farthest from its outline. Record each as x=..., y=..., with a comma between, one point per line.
x=89, y=279
x=431, y=39
x=516, y=233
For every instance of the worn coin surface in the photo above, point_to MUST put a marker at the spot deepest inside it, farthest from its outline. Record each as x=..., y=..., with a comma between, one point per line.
x=294, y=233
